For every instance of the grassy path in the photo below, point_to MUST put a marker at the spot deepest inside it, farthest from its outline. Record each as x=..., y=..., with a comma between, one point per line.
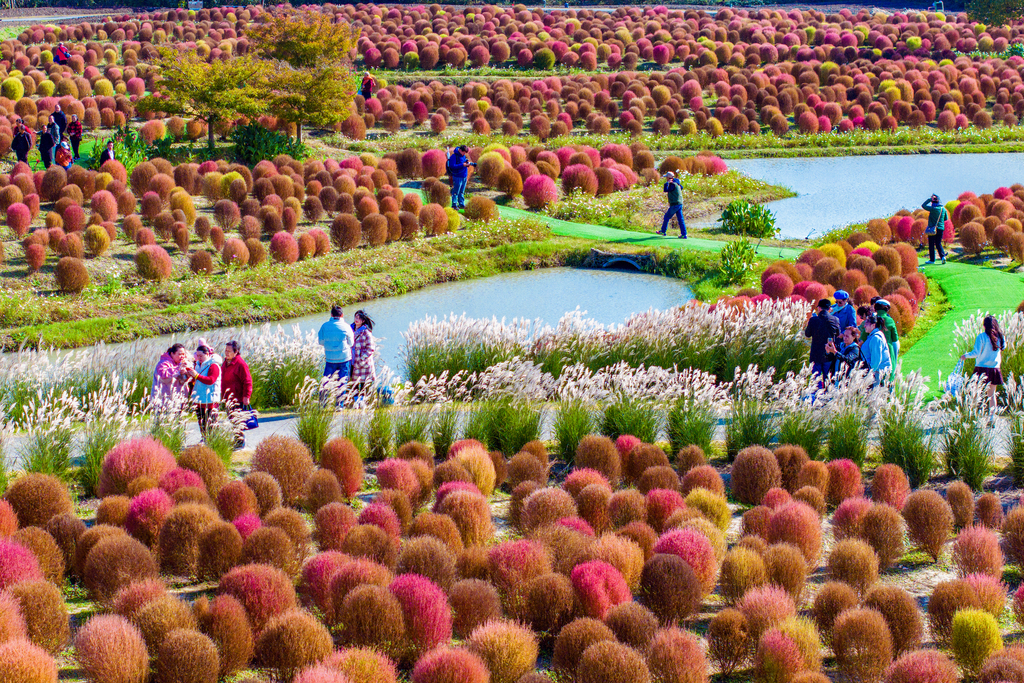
x=645, y=239
x=969, y=288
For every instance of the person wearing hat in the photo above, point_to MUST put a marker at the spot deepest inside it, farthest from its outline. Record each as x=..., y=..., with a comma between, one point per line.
x=675, y=205
x=888, y=327
x=821, y=328
x=843, y=310
x=875, y=351
x=367, y=86
x=937, y=215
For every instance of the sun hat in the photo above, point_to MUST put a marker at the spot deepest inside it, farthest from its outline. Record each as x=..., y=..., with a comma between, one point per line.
x=841, y=295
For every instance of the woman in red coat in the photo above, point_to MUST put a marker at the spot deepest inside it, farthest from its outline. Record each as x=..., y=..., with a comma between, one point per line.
x=236, y=383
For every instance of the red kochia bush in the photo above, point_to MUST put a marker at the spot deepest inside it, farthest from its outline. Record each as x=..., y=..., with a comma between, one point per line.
x=599, y=587
x=428, y=617
x=695, y=549
x=764, y=607
x=578, y=177
x=263, y=590
x=890, y=485
x=844, y=481
x=111, y=650
x=17, y=563
x=922, y=666
x=132, y=459
x=450, y=665
x=539, y=190
x=799, y=524
x=284, y=248
x=23, y=662
x=153, y=262
x=976, y=550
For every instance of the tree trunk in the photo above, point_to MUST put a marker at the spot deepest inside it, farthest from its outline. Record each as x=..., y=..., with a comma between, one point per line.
x=298, y=131
x=209, y=132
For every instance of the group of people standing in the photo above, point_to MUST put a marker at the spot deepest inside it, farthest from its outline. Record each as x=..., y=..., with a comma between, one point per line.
x=843, y=339
x=208, y=377
x=53, y=148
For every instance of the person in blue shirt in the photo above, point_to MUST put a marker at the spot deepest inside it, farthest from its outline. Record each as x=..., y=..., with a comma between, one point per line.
x=937, y=216
x=674, y=191
x=458, y=169
x=336, y=338
x=843, y=310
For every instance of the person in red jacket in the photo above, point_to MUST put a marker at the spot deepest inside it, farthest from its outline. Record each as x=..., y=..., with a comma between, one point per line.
x=236, y=385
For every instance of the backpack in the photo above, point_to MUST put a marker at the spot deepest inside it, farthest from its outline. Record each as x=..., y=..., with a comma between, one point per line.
x=450, y=165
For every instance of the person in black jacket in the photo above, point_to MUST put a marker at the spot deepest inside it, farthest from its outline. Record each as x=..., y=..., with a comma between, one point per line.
x=49, y=137
x=847, y=352
x=61, y=119
x=22, y=143
x=821, y=327
x=108, y=153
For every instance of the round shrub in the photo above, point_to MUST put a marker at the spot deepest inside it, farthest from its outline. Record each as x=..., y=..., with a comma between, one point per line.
x=862, y=644
x=475, y=602
x=179, y=538
x=633, y=624
x=44, y=612
x=158, y=617
x=832, y=600
x=17, y=563
x=284, y=248
x=922, y=666
x=693, y=548
x=290, y=642
x=153, y=262
x=288, y=461
x=753, y=473
x=111, y=650
x=929, y=521
x=611, y=661
x=186, y=656
x=742, y=569
x=508, y=649
x=798, y=524
x=765, y=607
x=844, y=481
x=372, y=617
x=450, y=665
x=342, y=457
x=974, y=636
x=600, y=454
x=946, y=600
x=574, y=640
x=220, y=549
x=23, y=662
x=115, y=562
x=363, y=665
x=428, y=621
x=786, y=567
x=854, y=562
x=976, y=550
x=262, y=590
x=36, y=498
x=539, y=190
x=900, y=611
x=599, y=587
x=890, y=486
x=882, y=528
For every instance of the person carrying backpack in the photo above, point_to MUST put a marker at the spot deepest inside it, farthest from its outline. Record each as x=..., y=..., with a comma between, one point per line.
x=937, y=215
x=458, y=169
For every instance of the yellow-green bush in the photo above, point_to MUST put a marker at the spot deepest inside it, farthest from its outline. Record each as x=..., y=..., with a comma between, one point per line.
x=975, y=636
x=715, y=508
x=836, y=252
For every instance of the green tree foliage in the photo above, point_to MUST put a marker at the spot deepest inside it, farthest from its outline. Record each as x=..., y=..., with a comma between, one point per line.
x=995, y=12
x=211, y=91
x=311, y=81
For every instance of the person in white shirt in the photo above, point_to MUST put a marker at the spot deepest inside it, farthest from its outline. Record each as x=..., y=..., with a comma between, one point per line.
x=988, y=356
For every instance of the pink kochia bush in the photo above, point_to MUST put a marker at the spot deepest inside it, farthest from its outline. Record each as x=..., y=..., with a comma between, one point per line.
x=131, y=459
x=428, y=617
x=450, y=665
x=146, y=514
x=111, y=650
x=599, y=587
x=264, y=591
x=539, y=191
x=696, y=550
x=17, y=563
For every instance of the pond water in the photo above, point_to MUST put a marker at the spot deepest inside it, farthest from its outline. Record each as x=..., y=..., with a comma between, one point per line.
x=836, y=191
x=607, y=296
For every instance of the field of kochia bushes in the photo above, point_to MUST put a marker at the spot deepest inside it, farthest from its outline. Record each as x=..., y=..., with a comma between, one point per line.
x=621, y=562
x=340, y=204
x=733, y=71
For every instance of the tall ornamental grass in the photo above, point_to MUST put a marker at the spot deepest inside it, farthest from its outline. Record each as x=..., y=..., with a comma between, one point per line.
x=574, y=420
x=1015, y=433
x=903, y=439
x=109, y=415
x=966, y=441
x=317, y=405
x=755, y=420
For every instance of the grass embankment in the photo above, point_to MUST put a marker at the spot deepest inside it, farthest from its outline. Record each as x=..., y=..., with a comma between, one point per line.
x=904, y=140
x=273, y=292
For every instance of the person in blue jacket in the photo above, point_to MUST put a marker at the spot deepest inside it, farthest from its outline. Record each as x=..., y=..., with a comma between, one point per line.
x=875, y=349
x=458, y=169
x=336, y=338
x=843, y=310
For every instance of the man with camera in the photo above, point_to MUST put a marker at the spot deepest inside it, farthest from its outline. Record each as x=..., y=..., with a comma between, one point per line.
x=675, y=204
x=937, y=215
x=458, y=168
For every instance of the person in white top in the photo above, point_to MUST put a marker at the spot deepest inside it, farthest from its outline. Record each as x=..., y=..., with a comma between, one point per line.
x=988, y=356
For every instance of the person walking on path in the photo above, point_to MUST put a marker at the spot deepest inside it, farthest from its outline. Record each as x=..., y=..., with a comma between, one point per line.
x=169, y=377
x=207, y=388
x=843, y=310
x=61, y=54
x=888, y=325
x=675, y=205
x=875, y=350
x=458, y=168
x=988, y=357
x=936, y=226
x=336, y=337
x=75, y=134
x=22, y=143
x=367, y=85
x=821, y=327
x=364, y=371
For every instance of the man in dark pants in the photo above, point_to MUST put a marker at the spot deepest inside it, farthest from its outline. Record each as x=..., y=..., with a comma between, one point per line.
x=75, y=133
x=936, y=225
x=458, y=168
x=22, y=143
x=49, y=138
x=61, y=119
x=675, y=205
x=821, y=327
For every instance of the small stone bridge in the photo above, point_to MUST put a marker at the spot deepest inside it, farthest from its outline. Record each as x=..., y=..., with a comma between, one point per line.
x=610, y=259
